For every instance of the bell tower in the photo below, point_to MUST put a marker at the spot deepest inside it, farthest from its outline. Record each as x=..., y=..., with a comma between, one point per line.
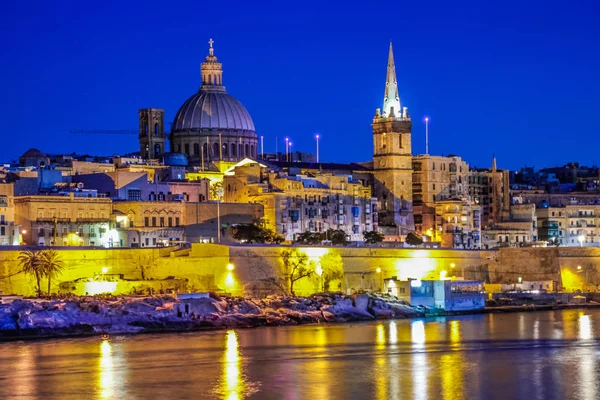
x=152, y=133
x=392, y=156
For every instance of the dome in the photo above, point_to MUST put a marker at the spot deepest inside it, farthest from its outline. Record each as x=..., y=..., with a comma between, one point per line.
x=175, y=160
x=212, y=110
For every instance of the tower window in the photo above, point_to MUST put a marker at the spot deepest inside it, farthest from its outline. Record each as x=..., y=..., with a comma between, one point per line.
x=196, y=149
x=215, y=150
x=233, y=150
x=156, y=129
x=157, y=150
x=225, y=150
x=186, y=149
x=146, y=129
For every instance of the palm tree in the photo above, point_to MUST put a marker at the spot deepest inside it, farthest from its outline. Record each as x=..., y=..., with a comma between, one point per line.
x=50, y=265
x=30, y=261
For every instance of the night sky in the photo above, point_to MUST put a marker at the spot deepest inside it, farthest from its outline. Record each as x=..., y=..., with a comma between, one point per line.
x=516, y=78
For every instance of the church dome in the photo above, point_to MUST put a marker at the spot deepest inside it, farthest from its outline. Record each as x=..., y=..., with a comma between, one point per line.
x=212, y=110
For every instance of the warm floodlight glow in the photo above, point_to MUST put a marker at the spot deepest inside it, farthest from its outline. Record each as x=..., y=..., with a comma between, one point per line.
x=452, y=265
x=579, y=267
x=378, y=270
x=229, y=281
x=415, y=283
x=443, y=274
x=319, y=270
x=94, y=287
x=104, y=270
x=230, y=267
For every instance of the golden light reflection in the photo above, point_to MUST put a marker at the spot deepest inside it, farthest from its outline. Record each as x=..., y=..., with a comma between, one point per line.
x=26, y=385
x=106, y=377
x=417, y=332
x=229, y=280
x=455, y=331
x=393, y=332
x=233, y=384
x=380, y=339
x=586, y=331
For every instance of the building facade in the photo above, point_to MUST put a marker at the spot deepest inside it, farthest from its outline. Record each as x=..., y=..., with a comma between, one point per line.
x=66, y=220
x=294, y=204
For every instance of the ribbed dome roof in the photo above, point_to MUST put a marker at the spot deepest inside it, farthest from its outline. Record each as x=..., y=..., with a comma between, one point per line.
x=212, y=110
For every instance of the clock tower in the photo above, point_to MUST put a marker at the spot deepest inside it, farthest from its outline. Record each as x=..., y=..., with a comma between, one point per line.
x=392, y=157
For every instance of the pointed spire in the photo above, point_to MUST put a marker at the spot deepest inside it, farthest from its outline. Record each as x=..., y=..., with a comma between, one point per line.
x=391, y=99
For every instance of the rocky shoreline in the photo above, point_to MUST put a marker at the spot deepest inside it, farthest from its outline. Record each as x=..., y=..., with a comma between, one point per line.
x=82, y=316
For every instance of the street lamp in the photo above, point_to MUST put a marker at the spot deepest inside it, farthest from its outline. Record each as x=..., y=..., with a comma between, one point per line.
x=380, y=278
x=317, y=136
x=230, y=267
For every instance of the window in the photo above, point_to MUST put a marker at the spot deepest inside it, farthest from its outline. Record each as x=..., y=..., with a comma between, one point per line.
x=2, y=230
x=146, y=221
x=434, y=186
x=170, y=221
x=147, y=241
x=157, y=150
x=233, y=150
x=186, y=148
x=134, y=195
x=156, y=129
x=433, y=167
x=153, y=221
x=153, y=241
x=131, y=222
x=162, y=221
x=215, y=150
x=41, y=234
x=176, y=221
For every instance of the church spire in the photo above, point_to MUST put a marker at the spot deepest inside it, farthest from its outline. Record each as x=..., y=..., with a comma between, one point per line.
x=391, y=99
x=211, y=71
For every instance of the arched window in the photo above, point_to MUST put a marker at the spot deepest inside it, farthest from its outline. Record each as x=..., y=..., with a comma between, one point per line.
x=216, y=150
x=187, y=149
x=225, y=150
x=240, y=151
x=157, y=150
x=196, y=149
x=205, y=150
x=233, y=150
x=179, y=148
x=209, y=79
x=246, y=151
x=156, y=129
x=252, y=151
x=146, y=129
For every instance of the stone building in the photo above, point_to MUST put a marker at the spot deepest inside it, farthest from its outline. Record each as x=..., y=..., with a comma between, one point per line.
x=520, y=229
x=212, y=125
x=66, y=220
x=294, y=204
x=571, y=225
x=149, y=223
x=490, y=188
x=392, y=157
x=9, y=232
x=458, y=224
x=439, y=178
x=152, y=133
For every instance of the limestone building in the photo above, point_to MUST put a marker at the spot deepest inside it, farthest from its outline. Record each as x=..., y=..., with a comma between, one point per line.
x=65, y=220
x=392, y=157
x=294, y=204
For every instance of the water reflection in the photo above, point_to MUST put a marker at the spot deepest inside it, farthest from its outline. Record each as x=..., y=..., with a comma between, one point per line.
x=419, y=360
x=452, y=365
x=232, y=383
x=585, y=327
x=106, y=375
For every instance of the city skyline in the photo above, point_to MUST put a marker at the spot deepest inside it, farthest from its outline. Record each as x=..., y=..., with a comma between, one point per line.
x=331, y=77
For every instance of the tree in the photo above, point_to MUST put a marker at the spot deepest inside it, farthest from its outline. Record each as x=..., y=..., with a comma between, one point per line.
x=253, y=233
x=50, y=265
x=309, y=237
x=373, y=237
x=30, y=261
x=413, y=239
x=332, y=268
x=296, y=267
x=337, y=236
x=216, y=190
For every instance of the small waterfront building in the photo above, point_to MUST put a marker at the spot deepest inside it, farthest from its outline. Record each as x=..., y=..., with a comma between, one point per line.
x=448, y=295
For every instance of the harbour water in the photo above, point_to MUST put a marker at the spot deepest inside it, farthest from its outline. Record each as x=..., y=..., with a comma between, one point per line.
x=542, y=355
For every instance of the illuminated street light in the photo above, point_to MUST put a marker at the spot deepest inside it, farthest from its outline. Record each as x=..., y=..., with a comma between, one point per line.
x=579, y=267
x=581, y=239
x=452, y=265
x=378, y=270
x=317, y=136
x=230, y=267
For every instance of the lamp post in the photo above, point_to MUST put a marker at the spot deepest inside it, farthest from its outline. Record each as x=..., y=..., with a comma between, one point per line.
x=426, y=135
x=287, y=140
x=291, y=153
x=262, y=147
x=317, y=136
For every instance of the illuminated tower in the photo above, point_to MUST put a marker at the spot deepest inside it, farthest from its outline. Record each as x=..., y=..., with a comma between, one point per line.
x=392, y=156
x=152, y=133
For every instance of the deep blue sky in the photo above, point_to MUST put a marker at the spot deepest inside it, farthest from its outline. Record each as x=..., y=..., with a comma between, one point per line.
x=516, y=78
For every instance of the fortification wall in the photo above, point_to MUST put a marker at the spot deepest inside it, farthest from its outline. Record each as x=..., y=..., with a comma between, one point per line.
x=257, y=267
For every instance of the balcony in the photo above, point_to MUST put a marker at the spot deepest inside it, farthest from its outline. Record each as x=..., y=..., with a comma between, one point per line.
x=93, y=220
x=51, y=220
